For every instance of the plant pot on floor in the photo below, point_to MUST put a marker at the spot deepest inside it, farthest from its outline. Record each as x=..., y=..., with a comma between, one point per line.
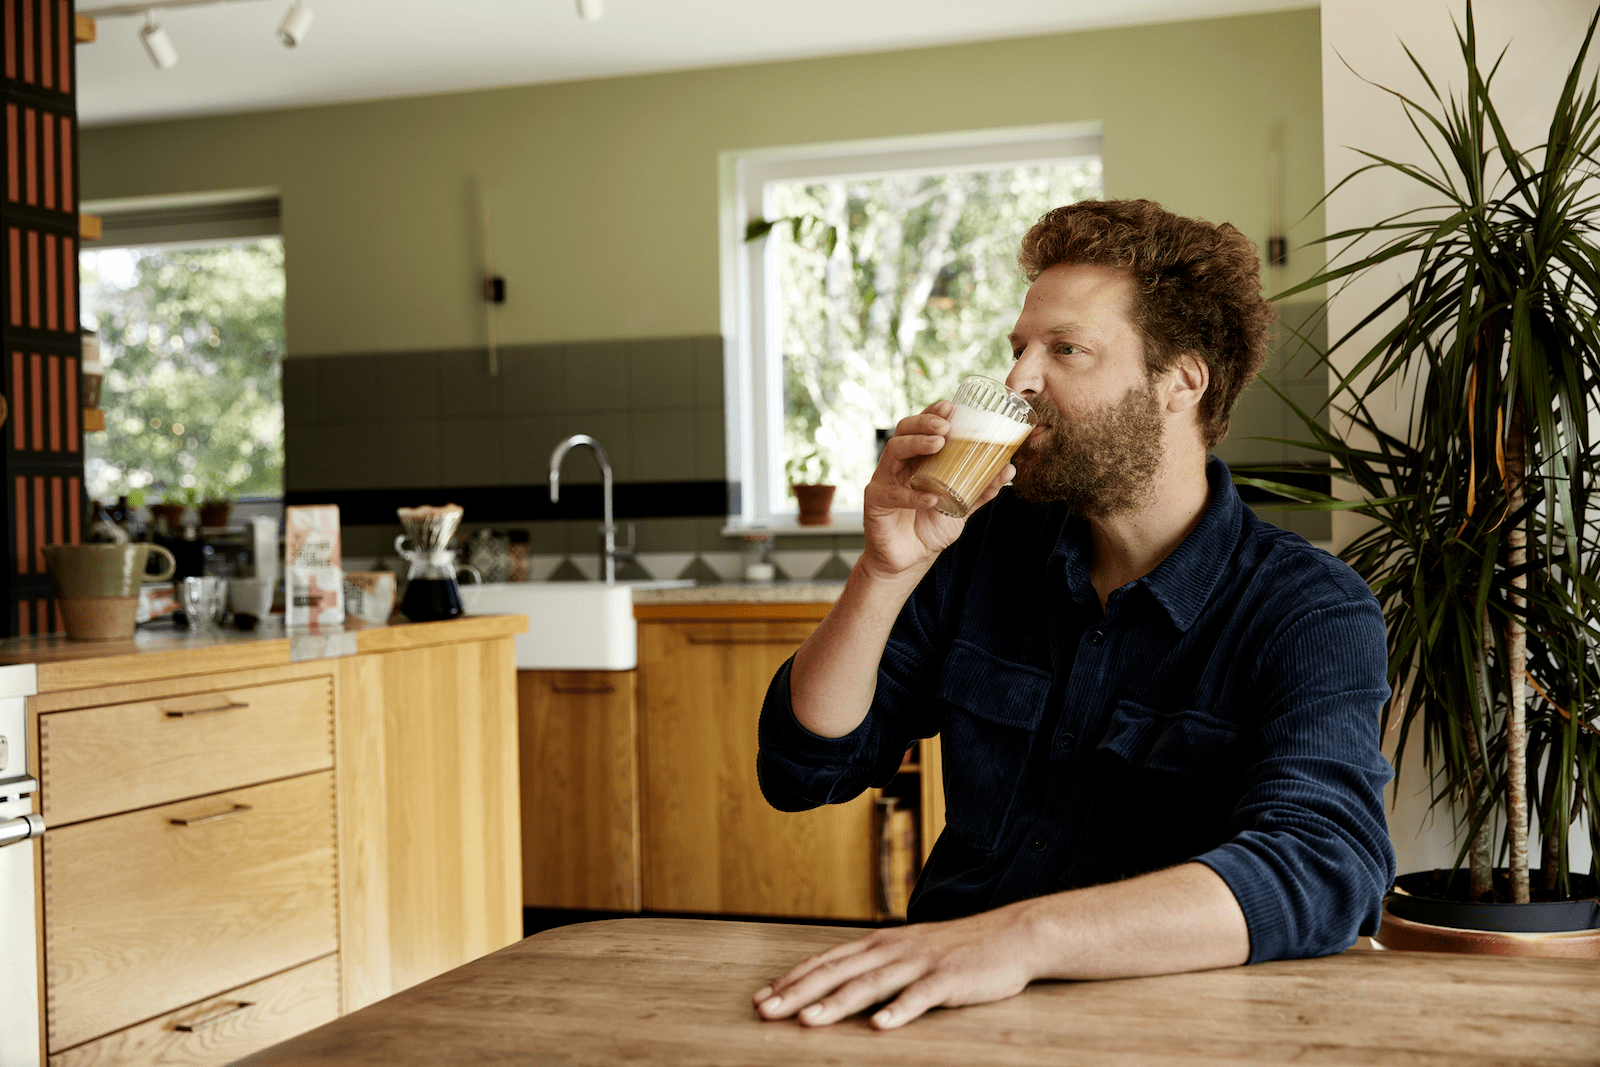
x=815, y=503
x=1418, y=916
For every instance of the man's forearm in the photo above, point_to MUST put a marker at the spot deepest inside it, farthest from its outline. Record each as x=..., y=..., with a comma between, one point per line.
x=1184, y=918
x=1181, y=919
x=835, y=672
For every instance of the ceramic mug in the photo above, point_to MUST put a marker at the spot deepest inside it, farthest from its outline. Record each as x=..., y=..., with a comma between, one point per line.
x=97, y=586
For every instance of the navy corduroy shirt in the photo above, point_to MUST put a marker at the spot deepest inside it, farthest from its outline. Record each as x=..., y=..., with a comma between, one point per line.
x=1224, y=709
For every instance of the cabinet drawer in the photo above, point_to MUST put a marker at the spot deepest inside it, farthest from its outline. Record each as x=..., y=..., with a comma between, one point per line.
x=220, y=1030
x=158, y=908
x=97, y=761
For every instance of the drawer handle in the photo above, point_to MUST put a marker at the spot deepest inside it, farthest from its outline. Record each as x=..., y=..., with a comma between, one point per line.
x=237, y=809
x=695, y=639
x=578, y=689
x=229, y=706
x=238, y=1006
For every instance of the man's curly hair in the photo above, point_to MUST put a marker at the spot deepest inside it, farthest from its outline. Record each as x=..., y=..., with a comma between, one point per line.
x=1198, y=288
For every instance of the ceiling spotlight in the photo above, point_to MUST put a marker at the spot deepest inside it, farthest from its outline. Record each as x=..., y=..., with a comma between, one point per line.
x=590, y=10
x=296, y=22
x=157, y=43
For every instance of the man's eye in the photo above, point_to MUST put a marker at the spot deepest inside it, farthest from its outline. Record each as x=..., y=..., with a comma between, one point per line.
x=1016, y=354
x=1065, y=349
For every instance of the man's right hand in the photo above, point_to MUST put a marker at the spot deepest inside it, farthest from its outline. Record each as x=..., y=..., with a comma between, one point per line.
x=904, y=534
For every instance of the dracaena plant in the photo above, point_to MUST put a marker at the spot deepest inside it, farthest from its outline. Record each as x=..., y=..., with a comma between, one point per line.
x=1484, y=542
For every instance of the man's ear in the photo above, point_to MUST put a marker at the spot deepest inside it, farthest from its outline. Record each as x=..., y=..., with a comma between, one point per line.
x=1187, y=382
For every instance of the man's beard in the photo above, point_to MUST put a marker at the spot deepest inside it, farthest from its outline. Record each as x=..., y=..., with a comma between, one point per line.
x=1099, y=464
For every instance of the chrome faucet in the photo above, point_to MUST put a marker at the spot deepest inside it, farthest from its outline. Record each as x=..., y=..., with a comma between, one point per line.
x=609, y=552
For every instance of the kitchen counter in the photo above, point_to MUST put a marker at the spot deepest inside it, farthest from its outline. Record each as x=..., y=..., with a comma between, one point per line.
x=166, y=652
x=744, y=593
x=665, y=991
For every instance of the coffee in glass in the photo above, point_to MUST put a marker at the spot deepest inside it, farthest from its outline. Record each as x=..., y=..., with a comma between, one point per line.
x=987, y=426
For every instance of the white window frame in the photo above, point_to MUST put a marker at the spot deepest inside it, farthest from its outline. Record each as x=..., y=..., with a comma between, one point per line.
x=192, y=220
x=752, y=343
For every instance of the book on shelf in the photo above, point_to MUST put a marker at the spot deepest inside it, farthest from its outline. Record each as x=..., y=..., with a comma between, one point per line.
x=897, y=855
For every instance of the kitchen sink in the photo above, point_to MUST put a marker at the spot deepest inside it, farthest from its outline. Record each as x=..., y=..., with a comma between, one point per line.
x=572, y=626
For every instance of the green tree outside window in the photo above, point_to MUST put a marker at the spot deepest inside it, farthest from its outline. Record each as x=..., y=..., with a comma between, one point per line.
x=192, y=343
x=894, y=287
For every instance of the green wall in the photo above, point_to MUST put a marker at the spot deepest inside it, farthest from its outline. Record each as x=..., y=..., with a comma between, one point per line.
x=604, y=193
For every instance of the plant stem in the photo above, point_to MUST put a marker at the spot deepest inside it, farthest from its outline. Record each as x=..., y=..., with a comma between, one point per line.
x=1479, y=858
x=1517, y=656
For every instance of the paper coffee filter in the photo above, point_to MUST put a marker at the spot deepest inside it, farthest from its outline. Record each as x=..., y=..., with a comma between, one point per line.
x=430, y=528
x=973, y=425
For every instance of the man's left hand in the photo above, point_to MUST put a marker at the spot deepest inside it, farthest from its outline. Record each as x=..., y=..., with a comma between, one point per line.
x=964, y=961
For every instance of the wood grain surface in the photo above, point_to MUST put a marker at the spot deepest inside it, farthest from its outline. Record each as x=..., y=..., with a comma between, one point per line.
x=710, y=841
x=454, y=871
x=222, y=1028
x=144, y=915
x=579, y=737
x=97, y=761
x=676, y=991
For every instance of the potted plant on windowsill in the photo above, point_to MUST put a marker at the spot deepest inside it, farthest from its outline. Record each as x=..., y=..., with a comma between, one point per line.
x=167, y=516
x=808, y=481
x=1485, y=548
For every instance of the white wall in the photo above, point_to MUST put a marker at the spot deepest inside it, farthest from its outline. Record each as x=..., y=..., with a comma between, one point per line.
x=1543, y=37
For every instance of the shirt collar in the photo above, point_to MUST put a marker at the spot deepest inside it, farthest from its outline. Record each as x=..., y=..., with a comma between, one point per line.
x=1184, y=581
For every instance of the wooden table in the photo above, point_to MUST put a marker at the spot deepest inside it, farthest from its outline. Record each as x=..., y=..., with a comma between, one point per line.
x=677, y=991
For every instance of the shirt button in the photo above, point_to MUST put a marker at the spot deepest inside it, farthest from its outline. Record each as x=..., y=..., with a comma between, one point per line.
x=1038, y=844
x=1097, y=638
x=1065, y=740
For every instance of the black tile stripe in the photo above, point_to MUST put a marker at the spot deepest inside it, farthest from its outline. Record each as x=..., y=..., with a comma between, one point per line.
x=500, y=503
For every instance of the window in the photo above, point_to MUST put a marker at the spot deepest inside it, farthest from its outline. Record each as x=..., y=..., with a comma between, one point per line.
x=186, y=301
x=889, y=274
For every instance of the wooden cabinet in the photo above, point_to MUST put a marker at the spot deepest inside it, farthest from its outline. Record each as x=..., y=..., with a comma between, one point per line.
x=429, y=839
x=222, y=1028
x=176, y=867
x=579, y=740
x=711, y=843
x=639, y=789
x=246, y=839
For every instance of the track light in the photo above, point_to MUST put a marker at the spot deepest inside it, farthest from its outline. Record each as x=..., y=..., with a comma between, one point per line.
x=590, y=10
x=157, y=43
x=296, y=22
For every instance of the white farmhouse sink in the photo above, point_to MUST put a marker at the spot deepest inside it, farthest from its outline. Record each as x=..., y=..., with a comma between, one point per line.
x=572, y=626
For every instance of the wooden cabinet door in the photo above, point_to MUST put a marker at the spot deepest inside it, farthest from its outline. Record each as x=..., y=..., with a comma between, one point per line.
x=711, y=843
x=432, y=731
x=152, y=909
x=578, y=734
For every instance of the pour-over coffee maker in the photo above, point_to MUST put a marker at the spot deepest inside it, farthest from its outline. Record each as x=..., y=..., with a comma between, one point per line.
x=431, y=589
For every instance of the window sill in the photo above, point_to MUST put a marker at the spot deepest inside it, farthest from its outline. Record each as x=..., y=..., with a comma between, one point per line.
x=846, y=523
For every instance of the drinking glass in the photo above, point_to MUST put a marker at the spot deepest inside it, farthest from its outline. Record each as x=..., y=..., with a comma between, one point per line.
x=202, y=602
x=987, y=426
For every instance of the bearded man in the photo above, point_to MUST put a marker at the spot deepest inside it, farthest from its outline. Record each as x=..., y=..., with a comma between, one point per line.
x=1159, y=714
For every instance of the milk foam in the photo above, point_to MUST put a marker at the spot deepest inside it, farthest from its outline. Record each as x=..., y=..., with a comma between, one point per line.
x=971, y=424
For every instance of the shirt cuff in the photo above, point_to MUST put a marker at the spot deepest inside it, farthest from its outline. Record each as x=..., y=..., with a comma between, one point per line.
x=1259, y=897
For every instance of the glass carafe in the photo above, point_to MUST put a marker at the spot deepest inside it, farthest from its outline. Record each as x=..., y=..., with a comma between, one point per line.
x=431, y=589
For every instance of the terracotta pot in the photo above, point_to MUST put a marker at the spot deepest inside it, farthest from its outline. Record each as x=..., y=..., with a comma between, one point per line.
x=169, y=514
x=815, y=502
x=215, y=513
x=1416, y=923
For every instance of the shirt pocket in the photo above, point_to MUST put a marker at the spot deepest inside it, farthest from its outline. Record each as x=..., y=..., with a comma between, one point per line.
x=1169, y=784
x=1188, y=743
x=990, y=709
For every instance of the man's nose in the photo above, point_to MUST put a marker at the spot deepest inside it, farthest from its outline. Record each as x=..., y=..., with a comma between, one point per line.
x=1027, y=373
